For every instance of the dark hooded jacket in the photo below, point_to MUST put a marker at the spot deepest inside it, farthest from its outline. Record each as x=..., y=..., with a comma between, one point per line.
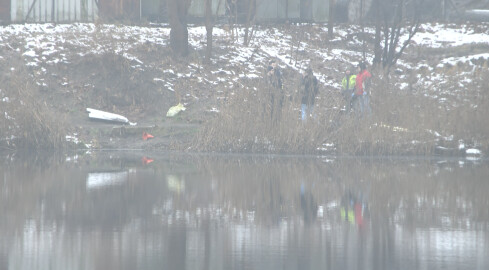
x=309, y=88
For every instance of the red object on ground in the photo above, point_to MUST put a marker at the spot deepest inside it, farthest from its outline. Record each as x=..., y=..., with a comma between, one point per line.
x=147, y=136
x=147, y=160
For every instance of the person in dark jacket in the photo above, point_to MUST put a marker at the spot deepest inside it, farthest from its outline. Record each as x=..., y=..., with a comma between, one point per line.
x=274, y=80
x=309, y=90
x=274, y=75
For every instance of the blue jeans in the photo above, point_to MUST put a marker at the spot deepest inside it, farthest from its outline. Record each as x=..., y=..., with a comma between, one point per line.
x=306, y=111
x=366, y=105
x=357, y=104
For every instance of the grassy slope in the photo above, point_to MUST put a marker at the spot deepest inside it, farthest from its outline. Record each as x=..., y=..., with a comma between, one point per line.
x=130, y=71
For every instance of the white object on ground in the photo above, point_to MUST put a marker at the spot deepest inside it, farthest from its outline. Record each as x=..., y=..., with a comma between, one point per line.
x=473, y=151
x=101, y=115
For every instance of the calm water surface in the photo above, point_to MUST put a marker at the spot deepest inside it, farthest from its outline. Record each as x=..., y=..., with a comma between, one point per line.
x=169, y=211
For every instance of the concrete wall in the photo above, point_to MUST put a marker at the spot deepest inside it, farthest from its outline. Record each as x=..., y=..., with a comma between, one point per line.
x=153, y=9
x=295, y=10
x=197, y=8
x=270, y=10
x=4, y=11
x=119, y=9
x=358, y=9
x=320, y=10
x=87, y=10
x=62, y=11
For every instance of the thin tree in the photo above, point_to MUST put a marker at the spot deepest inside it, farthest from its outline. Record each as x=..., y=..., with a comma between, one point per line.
x=392, y=25
x=231, y=8
x=177, y=16
x=332, y=4
x=250, y=22
x=209, y=26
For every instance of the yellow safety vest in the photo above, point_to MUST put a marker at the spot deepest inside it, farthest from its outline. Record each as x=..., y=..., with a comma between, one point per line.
x=351, y=84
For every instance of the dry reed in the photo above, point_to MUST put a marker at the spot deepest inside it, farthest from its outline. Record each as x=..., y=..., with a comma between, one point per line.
x=401, y=123
x=28, y=124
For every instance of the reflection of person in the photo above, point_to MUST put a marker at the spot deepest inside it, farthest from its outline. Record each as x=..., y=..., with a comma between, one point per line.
x=354, y=209
x=308, y=205
x=309, y=85
x=346, y=209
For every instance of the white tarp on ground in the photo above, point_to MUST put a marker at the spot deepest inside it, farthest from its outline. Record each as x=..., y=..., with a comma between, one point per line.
x=101, y=115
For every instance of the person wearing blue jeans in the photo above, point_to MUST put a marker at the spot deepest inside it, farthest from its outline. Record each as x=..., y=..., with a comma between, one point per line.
x=366, y=103
x=362, y=82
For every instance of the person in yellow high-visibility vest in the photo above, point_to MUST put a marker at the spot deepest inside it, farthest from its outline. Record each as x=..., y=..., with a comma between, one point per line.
x=347, y=88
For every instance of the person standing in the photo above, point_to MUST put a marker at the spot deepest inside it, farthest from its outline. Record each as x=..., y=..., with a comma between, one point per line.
x=362, y=83
x=276, y=95
x=274, y=75
x=309, y=85
x=348, y=87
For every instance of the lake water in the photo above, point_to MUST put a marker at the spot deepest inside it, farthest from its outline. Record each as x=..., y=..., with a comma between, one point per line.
x=116, y=210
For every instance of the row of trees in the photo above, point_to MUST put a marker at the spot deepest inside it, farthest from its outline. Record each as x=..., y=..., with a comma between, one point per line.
x=177, y=15
x=392, y=19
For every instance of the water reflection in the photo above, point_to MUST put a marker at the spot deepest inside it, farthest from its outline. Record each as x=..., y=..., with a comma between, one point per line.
x=116, y=211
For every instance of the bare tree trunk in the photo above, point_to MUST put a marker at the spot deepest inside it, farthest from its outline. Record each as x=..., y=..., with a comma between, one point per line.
x=177, y=15
x=52, y=12
x=363, y=32
x=287, y=10
x=235, y=30
x=332, y=4
x=378, y=30
x=209, y=26
x=250, y=18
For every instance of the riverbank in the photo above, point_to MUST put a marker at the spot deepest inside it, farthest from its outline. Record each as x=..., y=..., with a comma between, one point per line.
x=434, y=101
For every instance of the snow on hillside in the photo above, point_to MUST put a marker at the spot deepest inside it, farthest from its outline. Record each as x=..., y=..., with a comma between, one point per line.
x=442, y=35
x=44, y=45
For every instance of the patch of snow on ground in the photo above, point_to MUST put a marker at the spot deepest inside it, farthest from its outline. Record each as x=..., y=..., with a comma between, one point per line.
x=473, y=151
x=403, y=85
x=439, y=35
x=454, y=60
x=30, y=53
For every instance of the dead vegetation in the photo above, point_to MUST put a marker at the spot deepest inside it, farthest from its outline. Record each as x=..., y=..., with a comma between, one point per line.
x=251, y=122
x=401, y=123
x=117, y=84
x=29, y=124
